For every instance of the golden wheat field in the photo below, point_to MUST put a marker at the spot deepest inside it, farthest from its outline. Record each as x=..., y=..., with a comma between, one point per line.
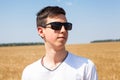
x=106, y=57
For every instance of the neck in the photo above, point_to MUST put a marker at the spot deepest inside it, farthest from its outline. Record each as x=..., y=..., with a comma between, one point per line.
x=53, y=58
x=55, y=54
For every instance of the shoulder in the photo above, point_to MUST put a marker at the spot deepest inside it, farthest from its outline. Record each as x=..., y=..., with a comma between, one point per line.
x=78, y=61
x=82, y=65
x=31, y=68
x=34, y=65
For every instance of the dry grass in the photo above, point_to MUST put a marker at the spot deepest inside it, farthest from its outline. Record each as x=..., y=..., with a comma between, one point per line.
x=106, y=57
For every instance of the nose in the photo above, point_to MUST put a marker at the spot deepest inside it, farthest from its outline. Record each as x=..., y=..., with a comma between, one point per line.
x=63, y=29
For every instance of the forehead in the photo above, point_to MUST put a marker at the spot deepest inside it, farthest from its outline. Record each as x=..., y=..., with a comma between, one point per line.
x=58, y=18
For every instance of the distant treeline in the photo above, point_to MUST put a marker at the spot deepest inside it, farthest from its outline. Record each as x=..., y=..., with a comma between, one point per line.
x=20, y=44
x=108, y=40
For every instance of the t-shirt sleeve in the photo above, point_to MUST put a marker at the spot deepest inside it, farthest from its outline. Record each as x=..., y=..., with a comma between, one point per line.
x=91, y=73
x=25, y=74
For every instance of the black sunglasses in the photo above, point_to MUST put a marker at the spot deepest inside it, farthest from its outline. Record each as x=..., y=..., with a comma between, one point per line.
x=58, y=25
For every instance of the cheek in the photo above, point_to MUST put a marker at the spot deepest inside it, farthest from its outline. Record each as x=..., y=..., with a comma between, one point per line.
x=50, y=36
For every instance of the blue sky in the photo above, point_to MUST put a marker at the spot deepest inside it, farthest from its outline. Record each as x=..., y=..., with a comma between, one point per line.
x=92, y=19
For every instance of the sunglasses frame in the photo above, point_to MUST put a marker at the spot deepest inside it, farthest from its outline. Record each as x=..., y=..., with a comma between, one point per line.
x=58, y=25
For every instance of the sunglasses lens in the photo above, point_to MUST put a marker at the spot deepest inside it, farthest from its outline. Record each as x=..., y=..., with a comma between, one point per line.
x=68, y=26
x=56, y=26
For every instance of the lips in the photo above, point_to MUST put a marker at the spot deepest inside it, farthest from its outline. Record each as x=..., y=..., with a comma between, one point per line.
x=61, y=38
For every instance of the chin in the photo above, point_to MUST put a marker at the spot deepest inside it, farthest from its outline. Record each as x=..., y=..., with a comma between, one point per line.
x=60, y=45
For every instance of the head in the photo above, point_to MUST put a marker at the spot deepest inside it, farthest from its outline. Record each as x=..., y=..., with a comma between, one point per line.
x=49, y=11
x=52, y=24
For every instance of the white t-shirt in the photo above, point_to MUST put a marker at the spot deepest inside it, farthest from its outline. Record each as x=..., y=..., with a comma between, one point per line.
x=72, y=68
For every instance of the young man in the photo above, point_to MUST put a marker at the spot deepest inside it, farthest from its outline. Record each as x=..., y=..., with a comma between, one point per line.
x=58, y=63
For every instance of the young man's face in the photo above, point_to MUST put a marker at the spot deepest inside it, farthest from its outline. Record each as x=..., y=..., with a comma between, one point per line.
x=55, y=38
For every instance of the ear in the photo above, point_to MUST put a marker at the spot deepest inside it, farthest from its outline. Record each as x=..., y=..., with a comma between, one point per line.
x=40, y=31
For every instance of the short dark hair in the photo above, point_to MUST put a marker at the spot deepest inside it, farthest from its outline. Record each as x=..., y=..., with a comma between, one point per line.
x=49, y=11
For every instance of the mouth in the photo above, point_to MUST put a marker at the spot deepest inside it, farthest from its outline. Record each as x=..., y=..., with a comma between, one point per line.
x=61, y=38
